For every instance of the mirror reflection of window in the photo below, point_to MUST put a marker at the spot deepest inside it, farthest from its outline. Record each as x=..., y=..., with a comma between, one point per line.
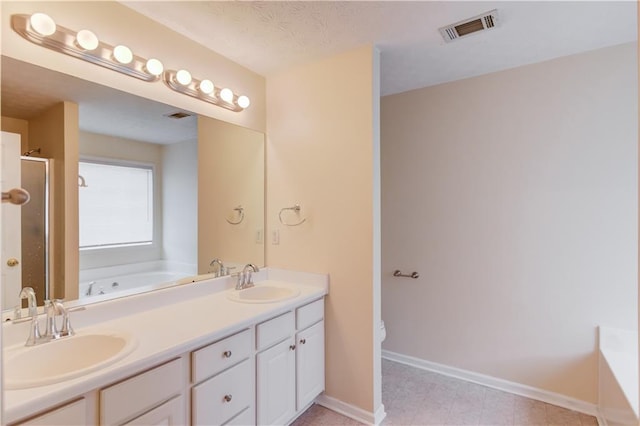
x=115, y=205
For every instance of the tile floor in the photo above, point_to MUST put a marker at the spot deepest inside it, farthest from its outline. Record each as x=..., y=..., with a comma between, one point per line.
x=416, y=397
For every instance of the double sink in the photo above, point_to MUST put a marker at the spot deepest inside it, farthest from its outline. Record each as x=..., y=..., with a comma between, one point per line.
x=88, y=351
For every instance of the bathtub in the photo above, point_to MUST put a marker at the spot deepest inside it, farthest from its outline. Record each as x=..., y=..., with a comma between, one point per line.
x=618, y=387
x=131, y=278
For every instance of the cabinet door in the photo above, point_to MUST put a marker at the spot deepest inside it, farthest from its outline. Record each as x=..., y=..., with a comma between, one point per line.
x=309, y=364
x=171, y=413
x=276, y=383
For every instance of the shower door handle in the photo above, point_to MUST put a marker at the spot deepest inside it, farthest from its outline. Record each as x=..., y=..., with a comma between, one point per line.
x=16, y=196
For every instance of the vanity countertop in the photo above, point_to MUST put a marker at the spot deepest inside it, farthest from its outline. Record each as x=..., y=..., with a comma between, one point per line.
x=167, y=323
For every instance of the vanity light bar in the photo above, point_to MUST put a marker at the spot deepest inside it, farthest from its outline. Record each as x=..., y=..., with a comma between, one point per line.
x=200, y=89
x=84, y=44
x=65, y=41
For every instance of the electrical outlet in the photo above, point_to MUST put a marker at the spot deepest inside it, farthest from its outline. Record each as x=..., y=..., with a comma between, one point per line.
x=275, y=237
x=259, y=236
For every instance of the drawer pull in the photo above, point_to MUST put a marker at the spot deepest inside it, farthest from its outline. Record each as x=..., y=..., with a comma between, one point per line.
x=303, y=341
x=227, y=354
x=227, y=398
x=292, y=347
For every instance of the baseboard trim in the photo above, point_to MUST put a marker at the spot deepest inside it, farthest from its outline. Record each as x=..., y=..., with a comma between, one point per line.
x=496, y=383
x=352, y=411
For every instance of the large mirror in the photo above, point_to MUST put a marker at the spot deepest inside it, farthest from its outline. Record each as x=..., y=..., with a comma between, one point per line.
x=142, y=194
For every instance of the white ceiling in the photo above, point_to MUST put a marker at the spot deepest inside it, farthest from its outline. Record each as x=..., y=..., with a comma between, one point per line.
x=270, y=36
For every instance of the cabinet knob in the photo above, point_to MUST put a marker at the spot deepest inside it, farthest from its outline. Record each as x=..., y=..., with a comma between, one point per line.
x=292, y=347
x=227, y=398
x=12, y=262
x=303, y=341
x=227, y=354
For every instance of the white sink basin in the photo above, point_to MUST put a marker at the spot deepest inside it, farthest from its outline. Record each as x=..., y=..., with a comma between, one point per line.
x=59, y=360
x=266, y=292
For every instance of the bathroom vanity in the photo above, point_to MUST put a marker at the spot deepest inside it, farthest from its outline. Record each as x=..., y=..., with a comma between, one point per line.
x=199, y=356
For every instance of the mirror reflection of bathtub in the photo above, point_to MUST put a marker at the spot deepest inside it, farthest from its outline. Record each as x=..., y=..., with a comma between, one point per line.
x=132, y=278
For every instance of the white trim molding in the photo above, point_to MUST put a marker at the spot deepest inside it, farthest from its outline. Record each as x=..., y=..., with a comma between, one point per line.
x=500, y=384
x=352, y=411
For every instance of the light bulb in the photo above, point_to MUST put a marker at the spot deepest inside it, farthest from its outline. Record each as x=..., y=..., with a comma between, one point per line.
x=154, y=67
x=122, y=54
x=206, y=87
x=86, y=40
x=42, y=24
x=244, y=101
x=183, y=77
x=226, y=95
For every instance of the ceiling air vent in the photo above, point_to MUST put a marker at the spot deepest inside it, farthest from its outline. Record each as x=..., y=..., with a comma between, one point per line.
x=178, y=115
x=461, y=29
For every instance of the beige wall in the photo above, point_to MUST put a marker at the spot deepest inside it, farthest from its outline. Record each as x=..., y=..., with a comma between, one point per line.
x=514, y=195
x=230, y=173
x=16, y=125
x=115, y=23
x=55, y=132
x=320, y=153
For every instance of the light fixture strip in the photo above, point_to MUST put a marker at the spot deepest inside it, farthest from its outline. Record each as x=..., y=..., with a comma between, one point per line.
x=192, y=90
x=64, y=41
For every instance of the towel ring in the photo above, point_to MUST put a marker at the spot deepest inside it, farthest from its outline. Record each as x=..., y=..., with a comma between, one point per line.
x=240, y=210
x=296, y=209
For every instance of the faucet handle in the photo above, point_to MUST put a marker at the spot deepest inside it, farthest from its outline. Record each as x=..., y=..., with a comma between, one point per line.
x=67, y=330
x=54, y=308
x=241, y=280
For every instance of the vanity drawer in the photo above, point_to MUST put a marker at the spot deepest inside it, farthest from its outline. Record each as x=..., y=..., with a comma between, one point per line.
x=74, y=413
x=274, y=330
x=133, y=397
x=220, y=398
x=219, y=356
x=309, y=314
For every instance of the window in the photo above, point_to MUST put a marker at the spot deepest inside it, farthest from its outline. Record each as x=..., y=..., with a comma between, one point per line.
x=116, y=205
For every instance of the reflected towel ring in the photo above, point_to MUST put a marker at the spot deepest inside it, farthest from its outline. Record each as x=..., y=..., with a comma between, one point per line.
x=296, y=209
x=240, y=210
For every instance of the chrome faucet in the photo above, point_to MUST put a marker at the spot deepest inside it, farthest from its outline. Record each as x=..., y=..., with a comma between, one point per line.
x=220, y=271
x=52, y=308
x=34, y=331
x=244, y=277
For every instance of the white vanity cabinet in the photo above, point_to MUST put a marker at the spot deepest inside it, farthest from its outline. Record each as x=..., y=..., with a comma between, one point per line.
x=259, y=373
x=289, y=373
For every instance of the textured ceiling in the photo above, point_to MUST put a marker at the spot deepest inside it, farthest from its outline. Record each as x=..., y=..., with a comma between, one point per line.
x=270, y=36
